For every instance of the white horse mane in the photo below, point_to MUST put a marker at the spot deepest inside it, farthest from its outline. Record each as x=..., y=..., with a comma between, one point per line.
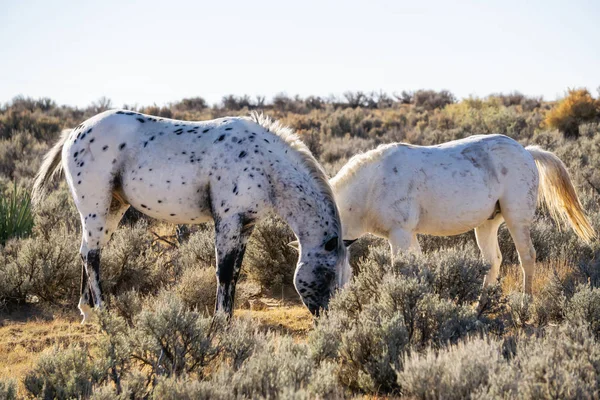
x=357, y=161
x=308, y=160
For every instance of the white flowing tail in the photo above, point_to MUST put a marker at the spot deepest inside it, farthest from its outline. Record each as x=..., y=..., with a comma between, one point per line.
x=51, y=165
x=557, y=192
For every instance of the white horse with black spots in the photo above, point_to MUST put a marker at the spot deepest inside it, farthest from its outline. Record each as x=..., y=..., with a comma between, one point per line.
x=230, y=170
x=398, y=191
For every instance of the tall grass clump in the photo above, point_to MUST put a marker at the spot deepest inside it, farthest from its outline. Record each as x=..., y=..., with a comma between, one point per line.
x=16, y=217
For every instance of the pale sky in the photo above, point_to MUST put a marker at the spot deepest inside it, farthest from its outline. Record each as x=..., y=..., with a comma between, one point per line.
x=157, y=51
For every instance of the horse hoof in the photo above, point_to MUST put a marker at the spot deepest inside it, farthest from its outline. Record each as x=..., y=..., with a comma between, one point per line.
x=86, y=312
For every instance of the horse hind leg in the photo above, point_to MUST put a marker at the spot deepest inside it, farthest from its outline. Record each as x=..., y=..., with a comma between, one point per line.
x=98, y=226
x=487, y=240
x=403, y=240
x=519, y=220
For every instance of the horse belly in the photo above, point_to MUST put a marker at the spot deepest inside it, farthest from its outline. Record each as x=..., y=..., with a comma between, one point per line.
x=178, y=197
x=452, y=209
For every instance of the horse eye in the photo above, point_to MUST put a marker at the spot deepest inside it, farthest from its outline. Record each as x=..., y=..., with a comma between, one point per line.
x=331, y=244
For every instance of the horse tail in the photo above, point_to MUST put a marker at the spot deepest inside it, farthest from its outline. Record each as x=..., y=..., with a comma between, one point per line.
x=557, y=192
x=51, y=165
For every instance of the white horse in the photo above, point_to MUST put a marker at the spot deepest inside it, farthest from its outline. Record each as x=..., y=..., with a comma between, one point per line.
x=398, y=191
x=230, y=170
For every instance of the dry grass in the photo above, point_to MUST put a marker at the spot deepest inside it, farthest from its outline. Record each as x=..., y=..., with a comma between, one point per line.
x=291, y=320
x=512, y=275
x=23, y=339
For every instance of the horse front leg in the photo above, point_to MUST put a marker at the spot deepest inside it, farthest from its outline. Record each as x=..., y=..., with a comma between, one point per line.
x=231, y=237
x=91, y=290
x=86, y=301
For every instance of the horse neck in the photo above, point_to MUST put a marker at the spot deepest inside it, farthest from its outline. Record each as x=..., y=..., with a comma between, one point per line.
x=302, y=203
x=352, y=197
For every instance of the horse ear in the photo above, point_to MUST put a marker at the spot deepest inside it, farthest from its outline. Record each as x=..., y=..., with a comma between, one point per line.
x=349, y=242
x=294, y=245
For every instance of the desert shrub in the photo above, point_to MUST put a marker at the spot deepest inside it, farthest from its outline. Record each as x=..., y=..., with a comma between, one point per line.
x=235, y=103
x=519, y=305
x=388, y=310
x=584, y=307
x=57, y=211
x=8, y=389
x=283, y=103
x=484, y=116
x=20, y=155
x=456, y=274
x=576, y=108
x=364, y=248
x=430, y=99
x=190, y=104
x=455, y=372
x=164, y=112
x=197, y=288
x=517, y=99
x=281, y=369
x=114, y=350
x=269, y=261
x=127, y=305
x=549, y=303
x=563, y=364
x=171, y=340
x=16, y=217
x=129, y=262
x=41, y=125
x=343, y=148
x=239, y=340
x=46, y=270
x=198, y=251
x=185, y=389
x=63, y=374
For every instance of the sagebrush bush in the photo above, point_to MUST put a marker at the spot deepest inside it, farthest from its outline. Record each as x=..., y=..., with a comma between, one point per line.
x=198, y=251
x=47, y=270
x=197, y=288
x=584, y=307
x=171, y=340
x=576, y=108
x=64, y=374
x=269, y=260
x=455, y=372
x=129, y=262
x=57, y=211
x=563, y=364
x=388, y=310
x=281, y=369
